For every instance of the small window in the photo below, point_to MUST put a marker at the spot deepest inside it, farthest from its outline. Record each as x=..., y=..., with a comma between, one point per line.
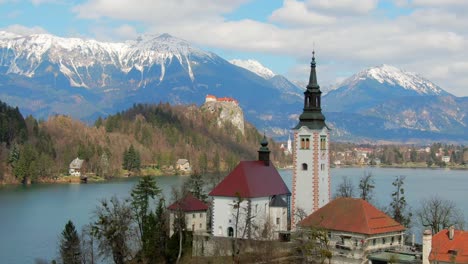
x=323, y=142
x=322, y=167
x=193, y=216
x=201, y=215
x=392, y=240
x=384, y=241
x=277, y=220
x=201, y=225
x=305, y=142
x=374, y=241
x=304, y=166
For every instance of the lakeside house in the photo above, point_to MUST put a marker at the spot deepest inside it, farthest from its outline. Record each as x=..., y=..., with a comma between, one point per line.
x=447, y=246
x=75, y=168
x=356, y=230
x=194, y=211
x=183, y=165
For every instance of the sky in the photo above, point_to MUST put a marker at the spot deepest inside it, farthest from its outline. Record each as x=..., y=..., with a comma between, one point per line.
x=428, y=37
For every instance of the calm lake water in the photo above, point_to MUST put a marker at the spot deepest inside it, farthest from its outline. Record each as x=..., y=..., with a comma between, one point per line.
x=32, y=217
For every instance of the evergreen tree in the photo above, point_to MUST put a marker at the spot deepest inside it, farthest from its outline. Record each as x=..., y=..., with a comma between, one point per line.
x=131, y=159
x=195, y=185
x=70, y=250
x=141, y=194
x=398, y=205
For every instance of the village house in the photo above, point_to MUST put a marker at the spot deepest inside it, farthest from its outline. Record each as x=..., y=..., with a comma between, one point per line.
x=356, y=229
x=183, y=165
x=447, y=246
x=194, y=211
x=252, y=201
x=75, y=168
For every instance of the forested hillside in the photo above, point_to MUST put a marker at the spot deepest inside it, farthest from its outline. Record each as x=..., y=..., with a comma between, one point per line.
x=158, y=135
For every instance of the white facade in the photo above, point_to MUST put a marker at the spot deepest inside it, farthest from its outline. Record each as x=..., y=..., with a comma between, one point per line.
x=195, y=221
x=311, y=176
x=265, y=221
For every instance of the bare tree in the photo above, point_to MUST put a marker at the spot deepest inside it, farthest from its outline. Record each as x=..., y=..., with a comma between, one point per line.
x=436, y=213
x=366, y=186
x=87, y=245
x=345, y=188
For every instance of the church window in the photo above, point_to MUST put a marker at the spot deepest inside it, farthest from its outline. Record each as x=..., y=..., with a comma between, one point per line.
x=304, y=166
x=323, y=142
x=305, y=143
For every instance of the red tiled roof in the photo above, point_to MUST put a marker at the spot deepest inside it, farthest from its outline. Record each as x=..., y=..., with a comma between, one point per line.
x=443, y=248
x=251, y=179
x=189, y=204
x=352, y=215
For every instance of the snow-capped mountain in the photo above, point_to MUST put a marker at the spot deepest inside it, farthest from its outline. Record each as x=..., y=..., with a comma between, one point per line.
x=255, y=67
x=45, y=74
x=74, y=57
x=290, y=90
x=385, y=101
x=390, y=75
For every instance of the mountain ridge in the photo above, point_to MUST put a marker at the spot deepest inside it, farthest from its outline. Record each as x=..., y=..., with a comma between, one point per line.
x=87, y=79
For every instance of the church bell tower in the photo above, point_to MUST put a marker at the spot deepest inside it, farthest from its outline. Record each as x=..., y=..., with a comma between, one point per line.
x=311, y=161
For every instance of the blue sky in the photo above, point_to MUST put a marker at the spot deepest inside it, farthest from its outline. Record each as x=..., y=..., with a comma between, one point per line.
x=424, y=36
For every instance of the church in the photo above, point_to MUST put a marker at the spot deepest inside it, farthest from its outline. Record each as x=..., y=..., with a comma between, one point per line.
x=311, y=161
x=254, y=196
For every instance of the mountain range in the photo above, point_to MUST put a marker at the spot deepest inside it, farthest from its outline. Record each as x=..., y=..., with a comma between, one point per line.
x=45, y=75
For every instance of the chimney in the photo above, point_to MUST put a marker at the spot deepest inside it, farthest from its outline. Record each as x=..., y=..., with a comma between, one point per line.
x=451, y=232
x=427, y=246
x=264, y=152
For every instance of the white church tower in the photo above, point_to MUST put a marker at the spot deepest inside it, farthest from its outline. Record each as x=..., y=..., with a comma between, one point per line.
x=311, y=161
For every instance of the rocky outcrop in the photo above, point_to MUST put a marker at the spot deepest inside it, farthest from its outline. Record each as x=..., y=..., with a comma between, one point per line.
x=227, y=109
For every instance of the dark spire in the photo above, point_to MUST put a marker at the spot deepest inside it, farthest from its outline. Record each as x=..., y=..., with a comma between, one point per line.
x=313, y=75
x=264, y=152
x=312, y=116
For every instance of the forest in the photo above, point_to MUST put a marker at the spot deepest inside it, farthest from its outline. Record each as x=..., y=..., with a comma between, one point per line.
x=145, y=139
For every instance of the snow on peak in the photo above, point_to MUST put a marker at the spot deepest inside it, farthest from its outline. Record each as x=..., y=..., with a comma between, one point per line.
x=255, y=67
x=395, y=76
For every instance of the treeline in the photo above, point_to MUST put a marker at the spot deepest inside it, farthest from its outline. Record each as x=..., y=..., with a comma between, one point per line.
x=144, y=136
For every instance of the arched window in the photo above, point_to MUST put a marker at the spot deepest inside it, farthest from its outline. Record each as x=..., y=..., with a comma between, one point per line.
x=304, y=166
x=302, y=143
x=307, y=143
x=323, y=142
x=230, y=231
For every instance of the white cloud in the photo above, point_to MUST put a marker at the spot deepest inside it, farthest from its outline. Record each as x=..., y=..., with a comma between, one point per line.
x=343, y=7
x=349, y=35
x=22, y=30
x=296, y=13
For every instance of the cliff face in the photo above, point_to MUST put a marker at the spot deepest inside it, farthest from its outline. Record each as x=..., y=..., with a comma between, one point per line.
x=227, y=112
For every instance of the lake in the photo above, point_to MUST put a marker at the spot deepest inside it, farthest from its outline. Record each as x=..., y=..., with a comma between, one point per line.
x=32, y=217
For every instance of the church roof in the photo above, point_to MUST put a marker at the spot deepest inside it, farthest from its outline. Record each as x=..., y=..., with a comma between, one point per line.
x=188, y=204
x=251, y=179
x=449, y=250
x=352, y=215
x=312, y=116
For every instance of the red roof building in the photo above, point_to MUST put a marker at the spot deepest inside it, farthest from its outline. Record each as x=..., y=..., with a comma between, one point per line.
x=449, y=248
x=251, y=179
x=194, y=211
x=188, y=204
x=355, y=228
x=250, y=197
